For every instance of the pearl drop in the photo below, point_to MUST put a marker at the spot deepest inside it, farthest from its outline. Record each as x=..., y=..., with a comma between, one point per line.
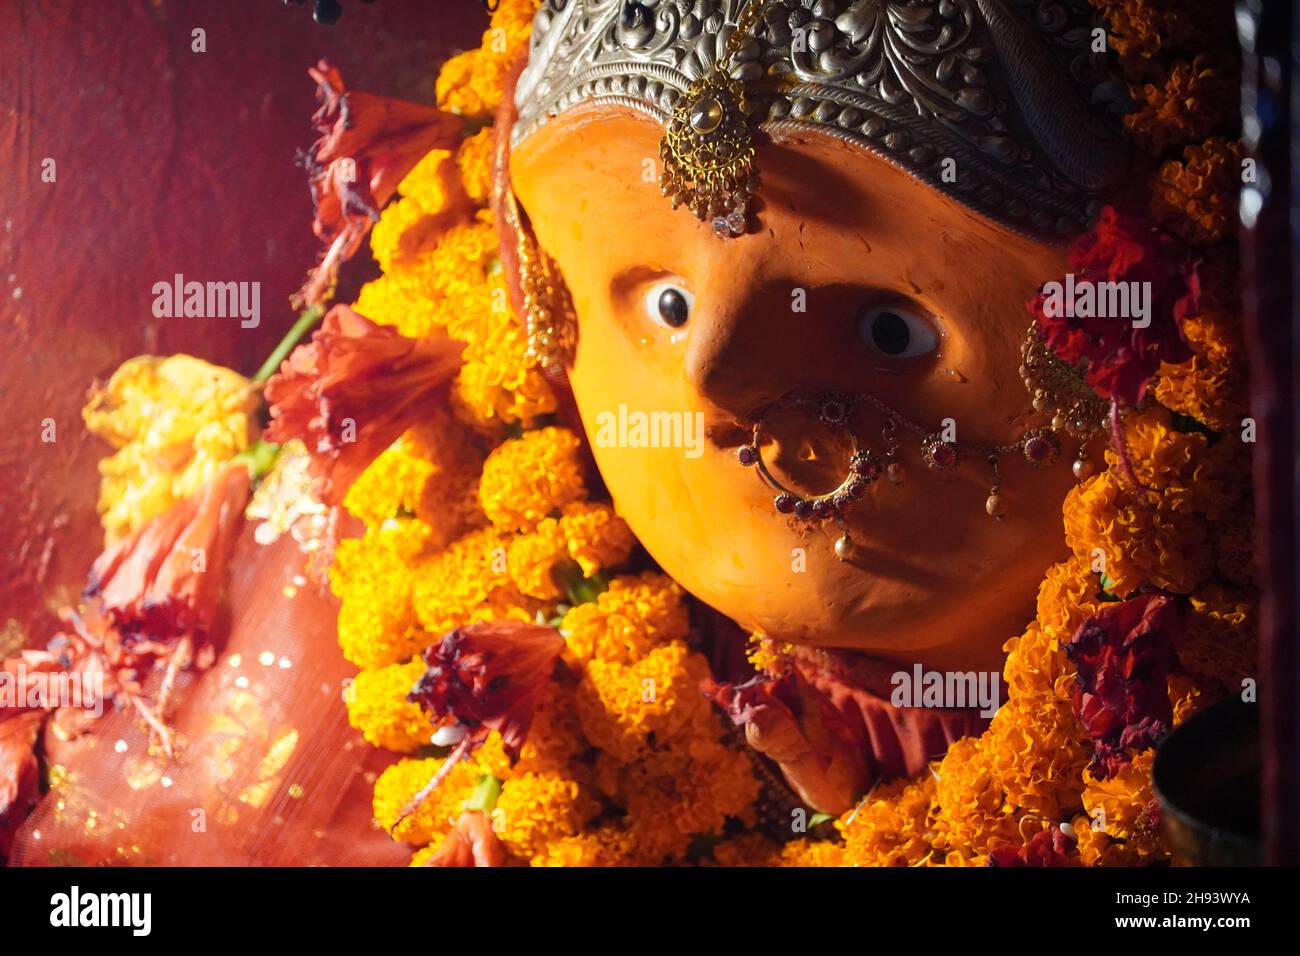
x=994, y=506
x=843, y=547
x=1058, y=423
x=1083, y=469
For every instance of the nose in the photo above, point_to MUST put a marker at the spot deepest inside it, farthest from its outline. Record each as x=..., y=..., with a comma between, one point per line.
x=735, y=356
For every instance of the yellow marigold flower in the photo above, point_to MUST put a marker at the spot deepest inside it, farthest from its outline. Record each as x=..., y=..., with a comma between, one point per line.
x=970, y=797
x=621, y=707
x=1188, y=474
x=1141, y=544
x=377, y=706
x=1184, y=106
x=395, y=238
x=469, y=582
x=1123, y=806
x=419, y=857
x=1222, y=640
x=474, y=160
x=472, y=84
x=595, y=537
x=1096, y=848
x=430, y=181
x=628, y=620
x=534, y=558
x=891, y=826
x=536, y=810
x=687, y=790
x=1066, y=598
x=391, y=485
x=527, y=478
x=173, y=421
x=436, y=814
x=812, y=853
x=608, y=845
x=1194, y=199
x=1213, y=386
x=371, y=576
x=1142, y=30
x=431, y=472
x=555, y=739
x=1188, y=694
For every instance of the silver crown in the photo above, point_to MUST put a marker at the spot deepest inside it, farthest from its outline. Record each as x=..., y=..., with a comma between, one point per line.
x=1002, y=105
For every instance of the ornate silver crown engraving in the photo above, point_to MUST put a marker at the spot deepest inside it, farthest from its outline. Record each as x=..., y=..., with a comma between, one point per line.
x=1000, y=104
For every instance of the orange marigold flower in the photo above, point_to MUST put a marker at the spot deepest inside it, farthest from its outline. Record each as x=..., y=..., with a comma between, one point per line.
x=528, y=478
x=1186, y=107
x=1195, y=199
x=536, y=810
x=622, y=708
x=351, y=391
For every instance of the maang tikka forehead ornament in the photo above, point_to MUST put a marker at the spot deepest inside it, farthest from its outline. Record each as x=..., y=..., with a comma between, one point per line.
x=1003, y=105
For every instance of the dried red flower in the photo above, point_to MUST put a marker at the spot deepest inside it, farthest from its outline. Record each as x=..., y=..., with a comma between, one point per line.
x=1122, y=656
x=19, y=773
x=470, y=842
x=163, y=583
x=490, y=676
x=352, y=390
x=789, y=721
x=1048, y=847
x=367, y=145
x=1121, y=358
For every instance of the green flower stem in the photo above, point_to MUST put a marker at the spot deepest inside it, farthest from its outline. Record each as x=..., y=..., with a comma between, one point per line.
x=295, y=334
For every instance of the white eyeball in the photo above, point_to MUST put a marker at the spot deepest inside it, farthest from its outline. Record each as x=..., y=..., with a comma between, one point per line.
x=668, y=304
x=897, y=331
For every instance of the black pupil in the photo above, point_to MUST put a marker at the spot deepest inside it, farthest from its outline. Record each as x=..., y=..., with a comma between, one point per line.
x=673, y=308
x=890, y=333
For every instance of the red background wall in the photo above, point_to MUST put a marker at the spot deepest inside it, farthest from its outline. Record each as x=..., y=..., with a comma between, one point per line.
x=167, y=161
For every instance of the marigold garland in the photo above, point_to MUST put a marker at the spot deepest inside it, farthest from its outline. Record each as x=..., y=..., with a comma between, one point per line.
x=625, y=764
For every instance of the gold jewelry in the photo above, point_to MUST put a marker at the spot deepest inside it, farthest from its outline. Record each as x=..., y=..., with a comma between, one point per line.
x=548, y=314
x=708, y=148
x=1059, y=389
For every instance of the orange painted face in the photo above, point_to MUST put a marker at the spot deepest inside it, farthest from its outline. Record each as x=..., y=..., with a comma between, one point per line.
x=855, y=280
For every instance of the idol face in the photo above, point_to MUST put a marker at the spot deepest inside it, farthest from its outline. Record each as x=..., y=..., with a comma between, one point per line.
x=853, y=280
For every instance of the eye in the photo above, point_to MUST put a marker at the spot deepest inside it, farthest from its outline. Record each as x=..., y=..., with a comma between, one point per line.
x=896, y=331
x=669, y=304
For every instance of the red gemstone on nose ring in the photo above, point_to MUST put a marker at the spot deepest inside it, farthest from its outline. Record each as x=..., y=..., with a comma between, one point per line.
x=939, y=454
x=1040, y=447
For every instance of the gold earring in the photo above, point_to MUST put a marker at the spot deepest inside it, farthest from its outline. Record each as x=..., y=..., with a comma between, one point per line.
x=548, y=314
x=1058, y=389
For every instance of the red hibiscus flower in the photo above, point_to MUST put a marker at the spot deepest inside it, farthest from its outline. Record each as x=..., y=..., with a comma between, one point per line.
x=1120, y=358
x=786, y=719
x=1122, y=657
x=470, y=842
x=367, y=145
x=352, y=390
x=488, y=676
x=153, y=596
x=1048, y=847
x=164, y=581
x=19, y=773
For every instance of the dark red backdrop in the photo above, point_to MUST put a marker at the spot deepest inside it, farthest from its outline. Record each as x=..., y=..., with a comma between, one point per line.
x=167, y=161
